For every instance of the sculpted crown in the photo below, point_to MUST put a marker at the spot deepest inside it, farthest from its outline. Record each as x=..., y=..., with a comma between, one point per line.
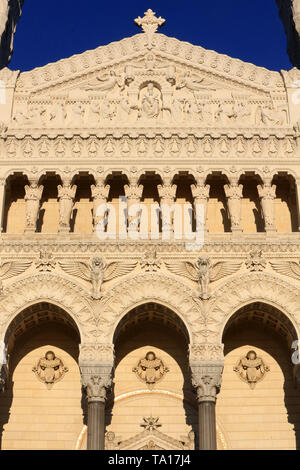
x=150, y=22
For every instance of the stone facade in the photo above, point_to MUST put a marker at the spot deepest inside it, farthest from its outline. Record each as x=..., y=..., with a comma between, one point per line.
x=124, y=324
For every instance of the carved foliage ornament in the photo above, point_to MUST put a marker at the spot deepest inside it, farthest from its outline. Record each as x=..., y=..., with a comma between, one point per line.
x=150, y=369
x=251, y=369
x=50, y=369
x=255, y=260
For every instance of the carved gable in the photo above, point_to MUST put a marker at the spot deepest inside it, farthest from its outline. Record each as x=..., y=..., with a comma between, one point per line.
x=162, y=83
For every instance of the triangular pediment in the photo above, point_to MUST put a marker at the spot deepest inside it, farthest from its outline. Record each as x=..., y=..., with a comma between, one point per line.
x=152, y=439
x=91, y=62
x=138, y=82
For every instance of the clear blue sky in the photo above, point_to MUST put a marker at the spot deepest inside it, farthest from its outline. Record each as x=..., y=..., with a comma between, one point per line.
x=51, y=30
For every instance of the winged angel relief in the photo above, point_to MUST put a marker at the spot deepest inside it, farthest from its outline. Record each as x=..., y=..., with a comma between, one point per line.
x=288, y=268
x=97, y=271
x=203, y=272
x=11, y=269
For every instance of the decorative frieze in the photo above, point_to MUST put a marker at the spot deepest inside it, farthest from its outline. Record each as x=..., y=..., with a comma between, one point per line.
x=221, y=145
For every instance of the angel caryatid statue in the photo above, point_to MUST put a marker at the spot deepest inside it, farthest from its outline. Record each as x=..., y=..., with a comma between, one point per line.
x=97, y=271
x=203, y=271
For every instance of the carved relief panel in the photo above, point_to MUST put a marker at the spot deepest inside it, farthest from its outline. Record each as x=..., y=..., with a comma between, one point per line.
x=150, y=369
x=50, y=369
x=251, y=369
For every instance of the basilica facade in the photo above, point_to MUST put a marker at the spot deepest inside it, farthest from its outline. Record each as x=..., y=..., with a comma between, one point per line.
x=150, y=250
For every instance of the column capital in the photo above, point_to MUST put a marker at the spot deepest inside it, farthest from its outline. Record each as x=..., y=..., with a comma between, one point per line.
x=206, y=378
x=100, y=190
x=200, y=190
x=96, y=379
x=133, y=191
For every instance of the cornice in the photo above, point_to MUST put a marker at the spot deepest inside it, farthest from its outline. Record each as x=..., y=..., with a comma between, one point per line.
x=17, y=245
x=80, y=65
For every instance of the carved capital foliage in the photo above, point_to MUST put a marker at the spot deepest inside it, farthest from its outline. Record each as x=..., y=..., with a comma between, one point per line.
x=96, y=380
x=95, y=353
x=206, y=352
x=206, y=378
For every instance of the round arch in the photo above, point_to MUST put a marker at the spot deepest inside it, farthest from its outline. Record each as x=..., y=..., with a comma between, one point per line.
x=155, y=288
x=49, y=288
x=257, y=287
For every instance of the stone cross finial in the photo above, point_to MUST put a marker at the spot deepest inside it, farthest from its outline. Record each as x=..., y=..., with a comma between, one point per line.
x=149, y=24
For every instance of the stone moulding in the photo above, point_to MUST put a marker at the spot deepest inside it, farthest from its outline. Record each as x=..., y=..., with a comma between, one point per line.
x=256, y=287
x=80, y=65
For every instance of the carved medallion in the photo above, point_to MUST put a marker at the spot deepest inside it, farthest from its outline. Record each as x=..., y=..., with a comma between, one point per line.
x=150, y=369
x=251, y=369
x=50, y=369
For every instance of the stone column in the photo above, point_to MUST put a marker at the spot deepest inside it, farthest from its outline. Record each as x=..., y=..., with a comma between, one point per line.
x=3, y=366
x=234, y=194
x=207, y=362
x=167, y=193
x=206, y=378
x=267, y=194
x=133, y=193
x=96, y=363
x=33, y=195
x=66, y=194
x=2, y=201
x=200, y=192
x=99, y=194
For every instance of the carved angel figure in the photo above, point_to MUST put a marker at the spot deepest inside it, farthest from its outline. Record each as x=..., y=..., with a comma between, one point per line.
x=97, y=271
x=203, y=272
x=251, y=369
x=150, y=369
x=107, y=82
x=33, y=194
x=49, y=369
x=12, y=268
x=193, y=82
x=288, y=268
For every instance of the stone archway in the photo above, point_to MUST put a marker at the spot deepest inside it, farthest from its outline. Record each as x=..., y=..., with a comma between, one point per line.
x=166, y=291
x=255, y=287
x=151, y=376
x=41, y=375
x=49, y=288
x=257, y=381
